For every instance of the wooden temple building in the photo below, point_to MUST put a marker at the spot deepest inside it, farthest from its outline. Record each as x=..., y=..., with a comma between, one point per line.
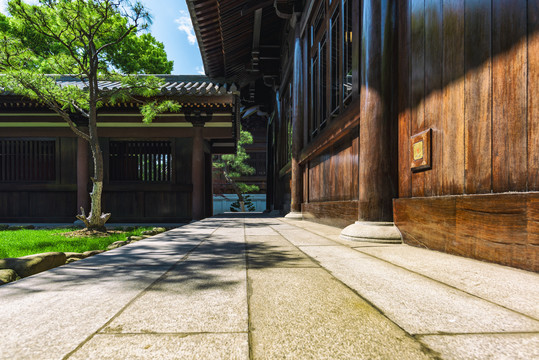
x=158, y=172
x=416, y=115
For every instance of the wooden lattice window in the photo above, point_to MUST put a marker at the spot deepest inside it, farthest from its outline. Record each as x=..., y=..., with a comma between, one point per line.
x=330, y=59
x=27, y=160
x=146, y=161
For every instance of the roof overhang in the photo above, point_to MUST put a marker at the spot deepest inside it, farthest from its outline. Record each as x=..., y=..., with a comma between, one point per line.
x=240, y=40
x=198, y=96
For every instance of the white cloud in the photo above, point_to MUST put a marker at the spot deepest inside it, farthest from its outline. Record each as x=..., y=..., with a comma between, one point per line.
x=185, y=25
x=200, y=70
x=3, y=7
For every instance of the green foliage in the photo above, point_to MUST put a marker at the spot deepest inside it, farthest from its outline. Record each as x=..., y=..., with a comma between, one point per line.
x=141, y=54
x=57, y=30
x=232, y=167
x=90, y=40
x=150, y=110
x=26, y=242
x=248, y=204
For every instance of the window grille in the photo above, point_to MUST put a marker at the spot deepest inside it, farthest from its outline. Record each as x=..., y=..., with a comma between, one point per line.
x=330, y=59
x=347, y=50
x=27, y=160
x=145, y=161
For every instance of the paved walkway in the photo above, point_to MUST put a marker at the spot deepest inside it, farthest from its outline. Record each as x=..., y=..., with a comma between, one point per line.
x=270, y=288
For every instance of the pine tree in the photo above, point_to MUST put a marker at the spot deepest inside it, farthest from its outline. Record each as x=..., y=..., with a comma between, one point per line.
x=233, y=166
x=82, y=38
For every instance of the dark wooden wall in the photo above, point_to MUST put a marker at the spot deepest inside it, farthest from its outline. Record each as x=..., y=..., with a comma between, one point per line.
x=56, y=201
x=151, y=202
x=330, y=190
x=469, y=70
x=47, y=201
x=500, y=228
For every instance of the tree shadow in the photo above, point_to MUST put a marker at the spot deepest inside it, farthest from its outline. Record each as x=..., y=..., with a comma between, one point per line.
x=195, y=256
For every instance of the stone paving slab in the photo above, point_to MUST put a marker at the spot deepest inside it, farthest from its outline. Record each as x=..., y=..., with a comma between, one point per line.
x=512, y=288
x=327, y=231
x=188, y=301
x=307, y=314
x=417, y=304
x=485, y=346
x=204, y=293
x=210, y=289
x=166, y=346
x=300, y=237
x=51, y=313
x=259, y=230
x=275, y=251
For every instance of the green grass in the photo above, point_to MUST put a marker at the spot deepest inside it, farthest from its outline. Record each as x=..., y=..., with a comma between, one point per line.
x=16, y=243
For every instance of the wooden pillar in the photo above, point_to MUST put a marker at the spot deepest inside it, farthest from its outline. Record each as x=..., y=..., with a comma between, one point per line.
x=197, y=171
x=82, y=175
x=296, y=187
x=378, y=178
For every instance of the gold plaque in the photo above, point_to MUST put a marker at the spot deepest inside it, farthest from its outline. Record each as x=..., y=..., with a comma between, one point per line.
x=418, y=150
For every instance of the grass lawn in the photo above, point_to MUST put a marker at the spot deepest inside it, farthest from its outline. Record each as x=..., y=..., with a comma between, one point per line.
x=16, y=243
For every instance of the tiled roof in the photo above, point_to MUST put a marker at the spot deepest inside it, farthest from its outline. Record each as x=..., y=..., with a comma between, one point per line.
x=174, y=85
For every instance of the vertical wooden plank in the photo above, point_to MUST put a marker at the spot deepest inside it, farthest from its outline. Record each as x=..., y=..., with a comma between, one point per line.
x=453, y=98
x=334, y=190
x=509, y=75
x=153, y=161
x=33, y=160
x=25, y=163
x=355, y=168
x=3, y=159
x=316, y=179
x=533, y=98
x=478, y=96
x=68, y=160
x=17, y=160
x=14, y=160
x=53, y=156
x=105, y=150
x=433, y=92
x=345, y=170
x=417, y=84
x=404, y=116
x=305, y=193
x=11, y=166
x=9, y=169
x=311, y=181
x=326, y=183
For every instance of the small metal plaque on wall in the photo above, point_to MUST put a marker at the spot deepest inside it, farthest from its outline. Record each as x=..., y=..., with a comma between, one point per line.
x=421, y=151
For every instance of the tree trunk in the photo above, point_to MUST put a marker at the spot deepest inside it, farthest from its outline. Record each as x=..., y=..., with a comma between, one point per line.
x=96, y=219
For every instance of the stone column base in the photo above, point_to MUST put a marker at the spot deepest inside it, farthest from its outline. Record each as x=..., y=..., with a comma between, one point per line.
x=370, y=231
x=294, y=215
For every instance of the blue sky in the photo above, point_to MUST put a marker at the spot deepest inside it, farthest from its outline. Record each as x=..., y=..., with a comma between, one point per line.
x=171, y=26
